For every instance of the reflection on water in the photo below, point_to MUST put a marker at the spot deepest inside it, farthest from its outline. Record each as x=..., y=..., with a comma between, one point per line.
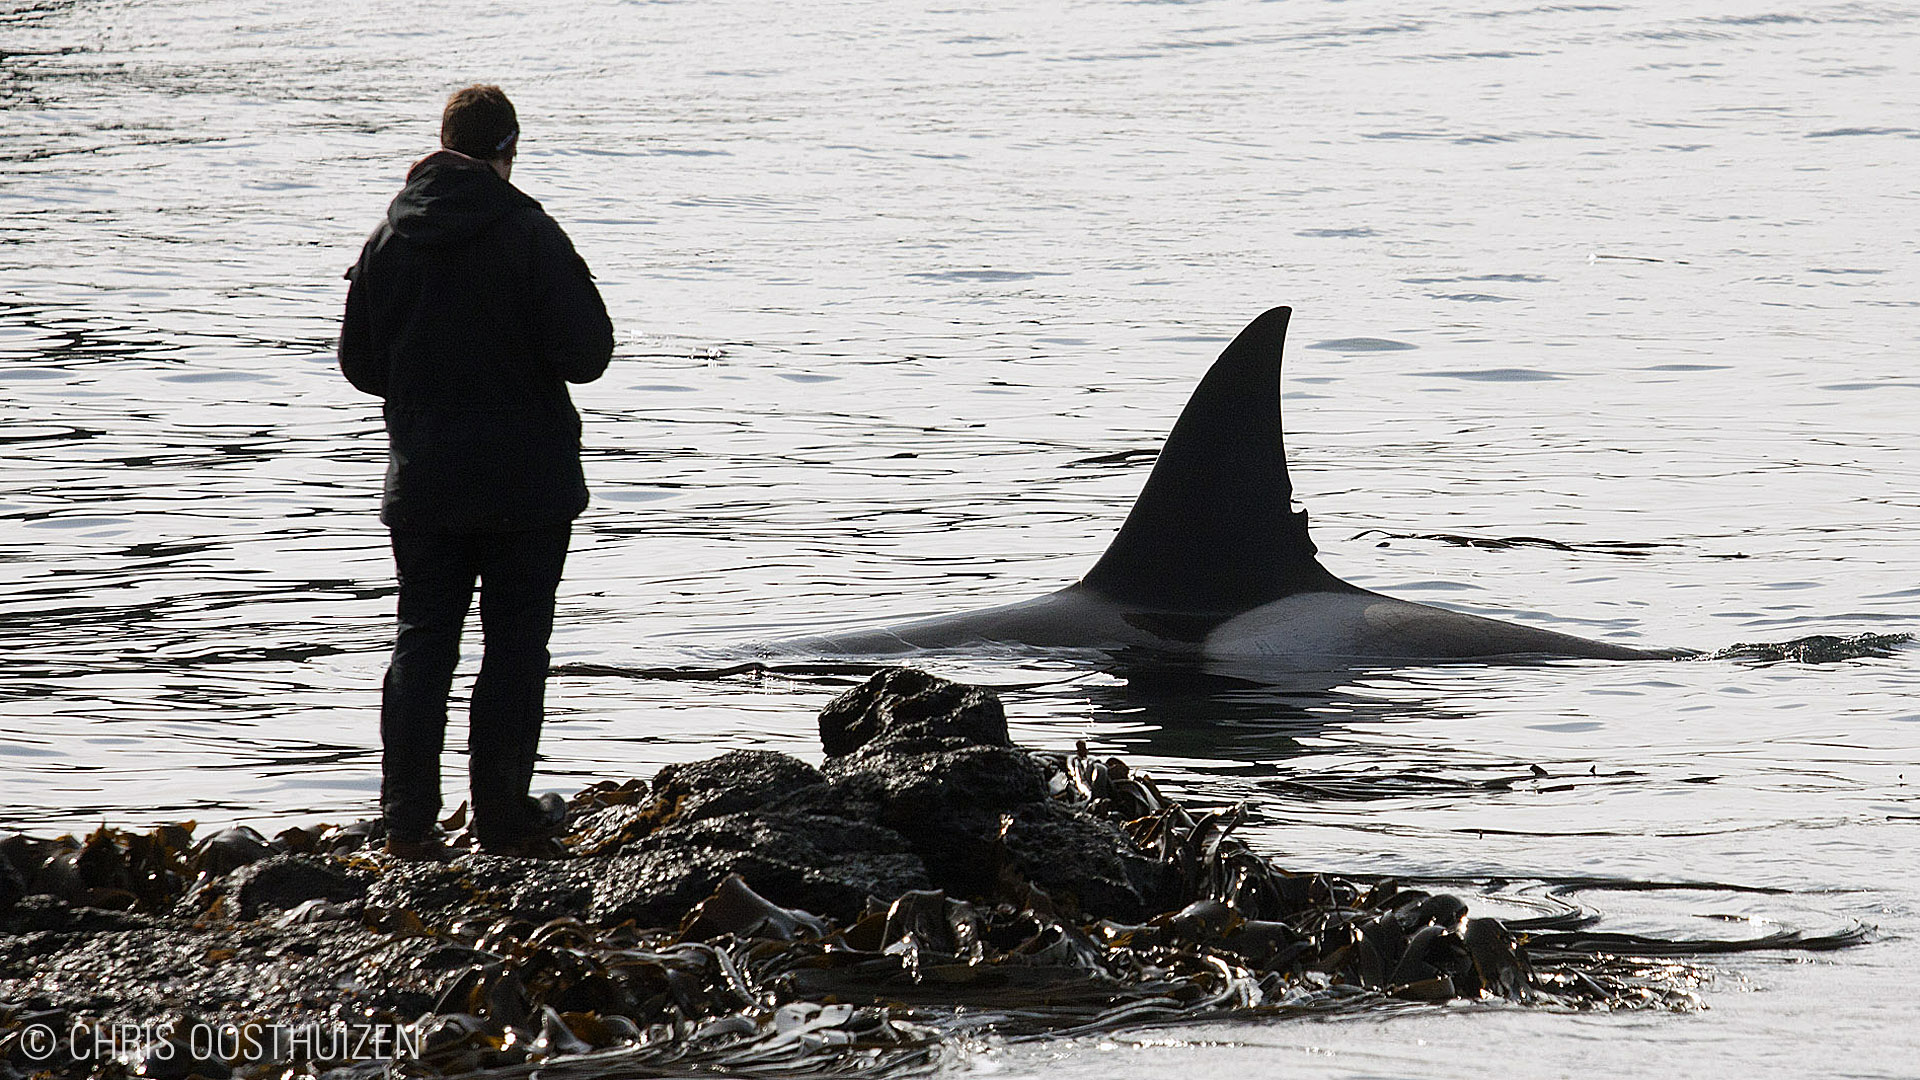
x=908, y=299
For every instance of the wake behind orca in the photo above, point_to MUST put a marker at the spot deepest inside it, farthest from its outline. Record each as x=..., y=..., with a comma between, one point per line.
x=1214, y=563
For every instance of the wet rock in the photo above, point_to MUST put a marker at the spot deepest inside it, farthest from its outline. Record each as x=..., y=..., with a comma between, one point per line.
x=604, y=830
x=534, y=889
x=824, y=865
x=285, y=882
x=931, y=760
x=1087, y=863
x=39, y=913
x=948, y=804
x=424, y=887
x=732, y=783
x=913, y=711
x=988, y=779
x=216, y=967
x=537, y=889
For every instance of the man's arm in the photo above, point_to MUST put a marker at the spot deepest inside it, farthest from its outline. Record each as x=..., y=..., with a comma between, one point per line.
x=364, y=364
x=576, y=334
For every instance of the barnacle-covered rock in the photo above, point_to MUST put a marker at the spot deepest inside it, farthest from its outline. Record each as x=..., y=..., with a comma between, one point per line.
x=733, y=783
x=817, y=863
x=284, y=882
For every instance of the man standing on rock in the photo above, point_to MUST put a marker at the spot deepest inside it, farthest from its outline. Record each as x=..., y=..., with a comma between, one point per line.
x=469, y=312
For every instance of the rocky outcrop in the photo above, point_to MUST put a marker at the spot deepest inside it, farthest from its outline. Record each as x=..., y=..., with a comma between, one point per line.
x=914, y=712
x=702, y=920
x=931, y=761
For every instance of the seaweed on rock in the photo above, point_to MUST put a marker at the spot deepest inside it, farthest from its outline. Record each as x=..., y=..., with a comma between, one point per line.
x=748, y=914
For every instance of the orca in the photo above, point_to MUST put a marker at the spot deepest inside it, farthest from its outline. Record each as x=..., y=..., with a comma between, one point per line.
x=1215, y=563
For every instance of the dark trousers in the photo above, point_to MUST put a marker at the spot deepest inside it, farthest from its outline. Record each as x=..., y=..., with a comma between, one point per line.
x=518, y=573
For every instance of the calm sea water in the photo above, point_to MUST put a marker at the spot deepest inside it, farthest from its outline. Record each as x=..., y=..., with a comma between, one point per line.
x=887, y=276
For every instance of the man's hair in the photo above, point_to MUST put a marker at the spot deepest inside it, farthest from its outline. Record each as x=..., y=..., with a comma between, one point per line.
x=479, y=122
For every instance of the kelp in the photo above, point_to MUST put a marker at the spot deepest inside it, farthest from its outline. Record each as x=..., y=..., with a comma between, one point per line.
x=1814, y=649
x=1635, y=548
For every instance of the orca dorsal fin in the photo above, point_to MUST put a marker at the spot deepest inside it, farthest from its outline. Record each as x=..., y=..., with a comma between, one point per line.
x=1214, y=530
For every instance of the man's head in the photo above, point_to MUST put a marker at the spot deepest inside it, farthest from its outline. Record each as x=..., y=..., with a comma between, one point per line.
x=480, y=122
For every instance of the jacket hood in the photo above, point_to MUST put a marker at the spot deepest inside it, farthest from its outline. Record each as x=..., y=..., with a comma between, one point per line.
x=450, y=198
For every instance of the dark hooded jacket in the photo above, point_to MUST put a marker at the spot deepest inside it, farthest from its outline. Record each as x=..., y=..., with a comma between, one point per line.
x=469, y=312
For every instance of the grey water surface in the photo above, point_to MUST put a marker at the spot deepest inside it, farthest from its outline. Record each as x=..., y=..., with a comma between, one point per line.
x=907, y=296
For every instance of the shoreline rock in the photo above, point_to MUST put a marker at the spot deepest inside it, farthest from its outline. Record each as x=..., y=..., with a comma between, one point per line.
x=745, y=908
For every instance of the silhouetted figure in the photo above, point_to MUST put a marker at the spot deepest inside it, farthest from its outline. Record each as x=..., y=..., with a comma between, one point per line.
x=469, y=312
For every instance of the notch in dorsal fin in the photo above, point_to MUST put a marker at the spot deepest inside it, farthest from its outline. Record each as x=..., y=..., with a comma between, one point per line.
x=1215, y=530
